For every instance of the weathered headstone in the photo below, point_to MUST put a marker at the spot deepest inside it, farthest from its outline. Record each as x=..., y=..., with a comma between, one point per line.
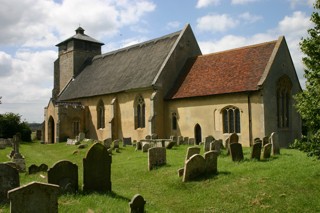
x=127, y=141
x=145, y=146
x=236, y=151
x=191, y=141
x=256, y=150
x=116, y=144
x=138, y=145
x=170, y=144
x=275, y=143
x=33, y=169
x=257, y=140
x=65, y=174
x=148, y=137
x=266, y=151
x=17, y=158
x=137, y=204
x=207, y=142
x=154, y=136
x=71, y=141
x=211, y=161
x=107, y=143
x=180, y=172
x=194, y=167
x=192, y=151
x=156, y=157
x=81, y=136
x=234, y=138
x=34, y=197
x=97, y=169
x=186, y=140
x=216, y=145
x=9, y=179
x=43, y=167
x=265, y=140
x=180, y=140
x=227, y=143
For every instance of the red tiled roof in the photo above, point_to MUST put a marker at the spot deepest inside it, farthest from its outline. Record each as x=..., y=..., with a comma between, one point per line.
x=229, y=71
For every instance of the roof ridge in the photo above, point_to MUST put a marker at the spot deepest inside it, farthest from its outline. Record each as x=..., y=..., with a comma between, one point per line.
x=239, y=48
x=138, y=45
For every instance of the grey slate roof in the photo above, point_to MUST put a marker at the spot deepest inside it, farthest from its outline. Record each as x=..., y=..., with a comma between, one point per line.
x=81, y=36
x=125, y=69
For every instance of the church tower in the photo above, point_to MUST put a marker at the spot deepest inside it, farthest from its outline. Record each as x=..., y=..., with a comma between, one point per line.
x=74, y=53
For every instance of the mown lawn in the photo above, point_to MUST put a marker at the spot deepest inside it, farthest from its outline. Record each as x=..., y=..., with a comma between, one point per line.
x=285, y=183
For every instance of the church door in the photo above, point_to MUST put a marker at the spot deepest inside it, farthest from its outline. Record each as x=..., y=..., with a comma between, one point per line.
x=197, y=134
x=50, y=130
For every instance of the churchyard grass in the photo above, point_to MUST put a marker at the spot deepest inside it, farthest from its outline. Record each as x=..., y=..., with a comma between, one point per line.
x=285, y=183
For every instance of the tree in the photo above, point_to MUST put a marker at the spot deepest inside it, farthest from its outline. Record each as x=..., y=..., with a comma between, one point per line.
x=10, y=124
x=308, y=101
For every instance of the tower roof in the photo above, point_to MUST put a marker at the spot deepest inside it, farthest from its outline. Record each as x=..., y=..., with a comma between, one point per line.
x=81, y=36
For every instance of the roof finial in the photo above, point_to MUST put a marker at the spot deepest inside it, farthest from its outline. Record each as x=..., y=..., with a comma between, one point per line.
x=80, y=30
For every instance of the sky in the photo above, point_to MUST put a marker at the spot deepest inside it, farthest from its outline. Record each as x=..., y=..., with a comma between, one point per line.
x=30, y=29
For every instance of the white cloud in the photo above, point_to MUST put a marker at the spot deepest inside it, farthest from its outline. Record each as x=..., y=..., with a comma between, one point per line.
x=294, y=3
x=216, y=23
x=249, y=18
x=5, y=64
x=206, y=3
x=242, y=1
x=173, y=25
x=292, y=27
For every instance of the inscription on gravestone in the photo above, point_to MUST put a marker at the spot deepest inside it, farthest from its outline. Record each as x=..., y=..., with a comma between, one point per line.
x=156, y=157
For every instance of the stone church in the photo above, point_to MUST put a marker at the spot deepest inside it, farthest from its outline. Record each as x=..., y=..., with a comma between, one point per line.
x=166, y=86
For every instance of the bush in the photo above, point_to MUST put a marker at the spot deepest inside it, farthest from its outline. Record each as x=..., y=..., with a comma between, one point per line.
x=311, y=146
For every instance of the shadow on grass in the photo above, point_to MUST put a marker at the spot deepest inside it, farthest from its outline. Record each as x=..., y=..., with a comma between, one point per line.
x=110, y=194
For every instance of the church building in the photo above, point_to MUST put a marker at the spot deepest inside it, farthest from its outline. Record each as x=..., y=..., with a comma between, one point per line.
x=167, y=87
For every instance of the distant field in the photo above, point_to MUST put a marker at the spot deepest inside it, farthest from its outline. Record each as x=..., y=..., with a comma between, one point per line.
x=285, y=183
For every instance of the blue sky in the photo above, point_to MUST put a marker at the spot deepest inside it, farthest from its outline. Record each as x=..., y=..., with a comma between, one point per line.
x=30, y=29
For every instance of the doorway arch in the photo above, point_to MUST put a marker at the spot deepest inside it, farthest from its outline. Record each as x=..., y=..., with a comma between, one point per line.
x=51, y=130
x=197, y=134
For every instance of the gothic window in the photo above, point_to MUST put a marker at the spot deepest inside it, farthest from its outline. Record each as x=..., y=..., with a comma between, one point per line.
x=140, y=109
x=174, y=121
x=100, y=115
x=231, y=120
x=283, y=101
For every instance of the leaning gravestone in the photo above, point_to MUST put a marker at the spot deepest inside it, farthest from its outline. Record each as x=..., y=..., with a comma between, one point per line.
x=107, y=143
x=34, y=197
x=265, y=140
x=156, y=157
x=266, y=151
x=194, y=167
x=65, y=174
x=97, y=169
x=192, y=151
x=116, y=144
x=145, y=146
x=9, y=179
x=236, y=151
x=207, y=142
x=275, y=143
x=170, y=144
x=216, y=145
x=234, y=138
x=137, y=204
x=211, y=161
x=256, y=150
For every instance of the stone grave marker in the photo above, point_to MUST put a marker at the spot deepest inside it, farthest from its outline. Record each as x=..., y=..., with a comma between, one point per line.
x=65, y=174
x=186, y=140
x=236, y=151
x=145, y=146
x=127, y=141
x=191, y=141
x=156, y=157
x=234, y=138
x=33, y=169
x=170, y=144
x=137, y=204
x=81, y=136
x=107, y=143
x=275, y=143
x=194, y=167
x=154, y=136
x=211, y=161
x=138, y=145
x=9, y=179
x=256, y=150
x=34, y=197
x=97, y=169
x=207, y=142
x=216, y=145
x=227, y=143
x=265, y=140
x=17, y=158
x=266, y=151
x=148, y=137
x=71, y=141
x=180, y=140
x=116, y=144
x=257, y=140
x=192, y=151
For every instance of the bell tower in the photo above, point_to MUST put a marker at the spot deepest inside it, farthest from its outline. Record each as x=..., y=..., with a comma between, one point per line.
x=74, y=53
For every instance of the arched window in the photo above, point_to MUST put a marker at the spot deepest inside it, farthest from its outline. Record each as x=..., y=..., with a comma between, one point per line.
x=283, y=101
x=174, y=121
x=100, y=115
x=139, y=111
x=231, y=120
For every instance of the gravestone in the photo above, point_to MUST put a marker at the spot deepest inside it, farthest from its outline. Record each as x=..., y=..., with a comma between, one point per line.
x=256, y=150
x=207, y=142
x=180, y=140
x=33, y=169
x=156, y=157
x=211, y=161
x=127, y=141
x=116, y=144
x=180, y=172
x=81, y=136
x=148, y=137
x=234, y=138
x=145, y=146
x=174, y=139
x=191, y=141
x=257, y=140
x=216, y=145
x=266, y=151
x=65, y=174
x=17, y=158
x=43, y=167
x=9, y=179
x=170, y=144
x=71, y=141
x=236, y=151
x=34, y=197
x=138, y=145
x=227, y=143
x=186, y=140
x=265, y=140
x=107, y=143
x=137, y=204
x=275, y=143
x=154, y=136
x=192, y=151
x=97, y=169
x=194, y=167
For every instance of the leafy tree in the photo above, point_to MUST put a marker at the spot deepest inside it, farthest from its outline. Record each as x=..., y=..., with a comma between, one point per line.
x=308, y=101
x=10, y=124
